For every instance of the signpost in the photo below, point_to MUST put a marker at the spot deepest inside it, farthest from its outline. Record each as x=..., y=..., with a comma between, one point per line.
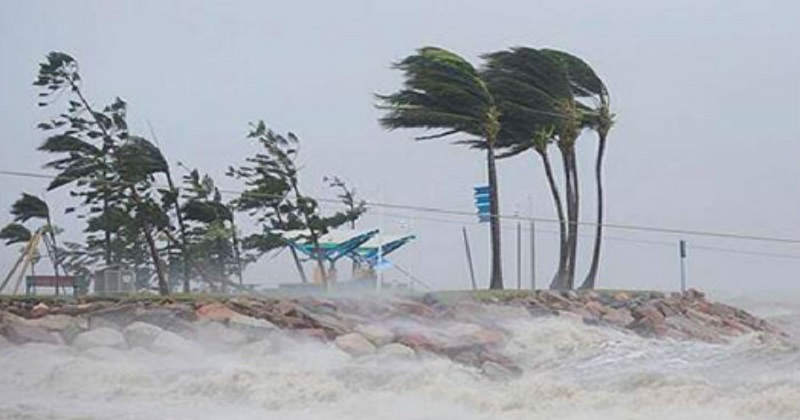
x=483, y=202
x=533, y=256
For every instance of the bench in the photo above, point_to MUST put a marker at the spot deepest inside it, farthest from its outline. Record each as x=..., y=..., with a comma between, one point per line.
x=57, y=282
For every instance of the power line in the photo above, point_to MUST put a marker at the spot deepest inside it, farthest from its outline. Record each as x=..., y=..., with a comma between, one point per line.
x=605, y=237
x=436, y=210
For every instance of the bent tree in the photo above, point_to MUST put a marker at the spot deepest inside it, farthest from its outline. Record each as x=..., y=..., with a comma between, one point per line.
x=110, y=171
x=443, y=92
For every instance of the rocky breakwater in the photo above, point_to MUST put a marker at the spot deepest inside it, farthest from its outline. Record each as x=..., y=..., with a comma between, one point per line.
x=468, y=328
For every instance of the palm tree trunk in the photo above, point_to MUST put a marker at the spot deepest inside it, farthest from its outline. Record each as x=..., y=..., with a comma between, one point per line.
x=558, y=279
x=589, y=282
x=564, y=283
x=496, y=282
x=573, y=241
x=569, y=177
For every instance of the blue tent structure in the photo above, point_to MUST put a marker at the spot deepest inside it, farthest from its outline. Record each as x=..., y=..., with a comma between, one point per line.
x=332, y=246
x=373, y=253
x=367, y=248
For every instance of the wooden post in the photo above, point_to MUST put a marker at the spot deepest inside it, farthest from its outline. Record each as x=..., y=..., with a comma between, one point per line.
x=519, y=255
x=469, y=258
x=682, y=246
x=533, y=256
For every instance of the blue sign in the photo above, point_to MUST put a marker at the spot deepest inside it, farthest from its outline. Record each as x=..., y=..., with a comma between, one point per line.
x=483, y=202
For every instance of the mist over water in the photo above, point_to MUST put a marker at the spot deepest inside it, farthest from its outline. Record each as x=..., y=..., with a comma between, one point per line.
x=571, y=371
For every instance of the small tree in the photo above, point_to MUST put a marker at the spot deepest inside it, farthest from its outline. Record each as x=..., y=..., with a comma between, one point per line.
x=353, y=208
x=273, y=194
x=111, y=171
x=211, y=233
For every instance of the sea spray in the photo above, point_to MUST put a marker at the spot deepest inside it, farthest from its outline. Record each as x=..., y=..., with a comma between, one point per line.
x=569, y=370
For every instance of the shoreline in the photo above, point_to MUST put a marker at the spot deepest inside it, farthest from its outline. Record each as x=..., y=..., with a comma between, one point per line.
x=464, y=326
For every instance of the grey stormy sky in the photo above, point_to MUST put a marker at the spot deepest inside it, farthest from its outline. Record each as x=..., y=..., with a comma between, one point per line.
x=707, y=95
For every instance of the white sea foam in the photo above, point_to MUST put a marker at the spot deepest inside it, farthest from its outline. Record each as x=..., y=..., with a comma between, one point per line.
x=571, y=371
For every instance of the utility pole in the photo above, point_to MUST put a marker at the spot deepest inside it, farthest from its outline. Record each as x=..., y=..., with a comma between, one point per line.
x=469, y=258
x=682, y=246
x=533, y=256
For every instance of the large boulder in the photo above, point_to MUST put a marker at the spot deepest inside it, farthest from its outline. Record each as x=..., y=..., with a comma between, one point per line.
x=355, y=345
x=377, y=334
x=60, y=322
x=251, y=327
x=648, y=321
x=113, y=317
x=175, y=318
x=215, y=312
x=648, y=312
x=554, y=299
x=596, y=308
x=141, y=334
x=693, y=329
x=101, y=337
x=703, y=318
x=619, y=317
x=461, y=336
x=168, y=343
x=40, y=309
x=21, y=330
x=417, y=340
x=328, y=322
x=397, y=351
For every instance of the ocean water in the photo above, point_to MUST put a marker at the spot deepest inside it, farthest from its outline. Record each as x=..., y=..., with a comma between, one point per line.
x=571, y=371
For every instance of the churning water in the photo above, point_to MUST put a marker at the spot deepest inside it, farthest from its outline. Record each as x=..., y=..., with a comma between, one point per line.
x=572, y=371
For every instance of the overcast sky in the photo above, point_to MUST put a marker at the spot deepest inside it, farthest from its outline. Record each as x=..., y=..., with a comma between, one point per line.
x=707, y=96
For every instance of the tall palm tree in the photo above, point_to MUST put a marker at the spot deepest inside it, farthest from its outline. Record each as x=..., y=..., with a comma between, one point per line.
x=444, y=92
x=538, y=108
x=587, y=86
x=602, y=123
x=528, y=86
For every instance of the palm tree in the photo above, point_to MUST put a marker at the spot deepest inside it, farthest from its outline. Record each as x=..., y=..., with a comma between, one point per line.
x=538, y=108
x=586, y=85
x=528, y=86
x=444, y=92
x=26, y=208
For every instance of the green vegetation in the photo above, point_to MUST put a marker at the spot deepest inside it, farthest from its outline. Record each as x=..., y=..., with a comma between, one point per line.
x=521, y=99
x=136, y=217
